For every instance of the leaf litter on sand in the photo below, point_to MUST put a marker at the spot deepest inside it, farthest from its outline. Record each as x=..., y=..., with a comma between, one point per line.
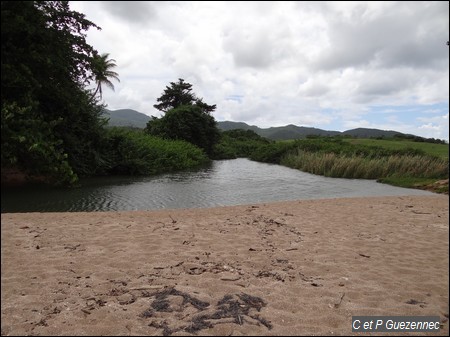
x=238, y=309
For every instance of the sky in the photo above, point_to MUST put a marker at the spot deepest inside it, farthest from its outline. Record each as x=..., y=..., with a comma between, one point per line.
x=330, y=65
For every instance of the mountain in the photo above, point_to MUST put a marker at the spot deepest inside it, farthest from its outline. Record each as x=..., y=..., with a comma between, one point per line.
x=133, y=118
x=370, y=133
x=296, y=132
x=226, y=125
x=127, y=117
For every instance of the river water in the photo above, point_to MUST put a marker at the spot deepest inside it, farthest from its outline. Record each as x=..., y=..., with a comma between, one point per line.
x=223, y=183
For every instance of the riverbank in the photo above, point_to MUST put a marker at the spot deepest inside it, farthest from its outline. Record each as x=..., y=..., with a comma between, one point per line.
x=286, y=268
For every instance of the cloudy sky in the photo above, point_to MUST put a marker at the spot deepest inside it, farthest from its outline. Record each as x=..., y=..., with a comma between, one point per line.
x=330, y=65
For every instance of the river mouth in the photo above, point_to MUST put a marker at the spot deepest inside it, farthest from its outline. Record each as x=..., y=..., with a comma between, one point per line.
x=223, y=183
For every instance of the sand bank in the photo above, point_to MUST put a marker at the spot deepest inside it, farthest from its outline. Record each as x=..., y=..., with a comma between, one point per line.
x=288, y=268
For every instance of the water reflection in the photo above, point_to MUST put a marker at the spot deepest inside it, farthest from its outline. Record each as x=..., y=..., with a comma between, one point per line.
x=229, y=182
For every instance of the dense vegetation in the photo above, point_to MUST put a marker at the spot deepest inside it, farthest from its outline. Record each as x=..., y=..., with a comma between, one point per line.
x=419, y=139
x=394, y=161
x=336, y=157
x=432, y=148
x=50, y=122
x=186, y=117
x=134, y=152
x=186, y=122
x=237, y=144
x=52, y=125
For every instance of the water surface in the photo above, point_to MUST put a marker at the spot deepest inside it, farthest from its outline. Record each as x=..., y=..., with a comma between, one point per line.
x=223, y=183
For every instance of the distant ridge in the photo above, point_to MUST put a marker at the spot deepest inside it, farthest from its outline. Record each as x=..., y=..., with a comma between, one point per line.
x=127, y=117
x=135, y=119
x=298, y=132
x=369, y=133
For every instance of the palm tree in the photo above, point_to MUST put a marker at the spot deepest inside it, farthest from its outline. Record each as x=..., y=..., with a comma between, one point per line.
x=101, y=68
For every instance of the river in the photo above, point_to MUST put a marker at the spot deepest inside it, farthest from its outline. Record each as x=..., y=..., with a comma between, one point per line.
x=223, y=183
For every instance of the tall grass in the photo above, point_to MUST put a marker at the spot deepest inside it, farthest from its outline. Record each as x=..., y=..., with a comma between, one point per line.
x=357, y=166
x=402, y=165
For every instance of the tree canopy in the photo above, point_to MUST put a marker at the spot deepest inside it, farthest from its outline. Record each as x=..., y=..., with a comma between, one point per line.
x=180, y=93
x=102, y=68
x=51, y=126
x=189, y=123
x=186, y=117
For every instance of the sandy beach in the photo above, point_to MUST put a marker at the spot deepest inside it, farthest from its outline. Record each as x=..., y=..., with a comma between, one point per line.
x=286, y=268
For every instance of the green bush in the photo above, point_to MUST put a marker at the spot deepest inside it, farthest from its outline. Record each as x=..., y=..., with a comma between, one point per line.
x=273, y=152
x=189, y=123
x=137, y=153
x=238, y=143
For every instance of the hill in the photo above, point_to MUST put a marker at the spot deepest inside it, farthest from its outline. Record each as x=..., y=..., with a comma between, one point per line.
x=371, y=133
x=133, y=118
x=297, y=132
x=127, y=117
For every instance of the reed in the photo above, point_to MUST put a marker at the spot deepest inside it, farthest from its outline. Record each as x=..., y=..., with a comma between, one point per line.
x=361, y=167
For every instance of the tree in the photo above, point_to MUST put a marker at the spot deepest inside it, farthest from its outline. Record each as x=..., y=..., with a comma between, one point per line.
x=50, y=125
x=102, y=69
x=178, y=94
x=189, y=123
x=186, y=117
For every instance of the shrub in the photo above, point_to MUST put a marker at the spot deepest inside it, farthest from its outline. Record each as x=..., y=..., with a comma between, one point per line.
x=135, y=152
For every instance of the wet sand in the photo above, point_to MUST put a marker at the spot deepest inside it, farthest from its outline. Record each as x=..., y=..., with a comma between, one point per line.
x=286, y=268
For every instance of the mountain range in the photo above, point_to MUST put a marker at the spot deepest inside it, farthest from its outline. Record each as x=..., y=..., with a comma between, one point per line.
x=135, y=119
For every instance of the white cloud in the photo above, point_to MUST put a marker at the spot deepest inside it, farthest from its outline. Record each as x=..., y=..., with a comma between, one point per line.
x=321, y=64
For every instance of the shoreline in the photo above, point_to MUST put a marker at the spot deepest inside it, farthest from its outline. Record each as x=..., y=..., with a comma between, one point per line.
x=301, y=267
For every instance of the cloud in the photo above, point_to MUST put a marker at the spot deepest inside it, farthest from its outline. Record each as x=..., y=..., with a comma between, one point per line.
x=320, y=64
x=391, y=34
x=132, y=12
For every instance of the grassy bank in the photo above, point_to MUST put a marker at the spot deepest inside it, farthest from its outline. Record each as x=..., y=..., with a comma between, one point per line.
x=360, y=167
x=437, y=150
x=400, y=163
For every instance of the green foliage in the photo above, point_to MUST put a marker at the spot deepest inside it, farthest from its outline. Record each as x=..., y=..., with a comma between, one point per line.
x=272, y=152
x=186, y=117
x=46, y=64
x=29, y=143
x=82, y=133
x=102, y=70
x=434, y=149
x=341, y=147
x=134, y=152
x=42, y=41
x=335, y=157
x=189, y=123
x=178, y=94
x=238, y=143
x=360, y=167
x=419, y=139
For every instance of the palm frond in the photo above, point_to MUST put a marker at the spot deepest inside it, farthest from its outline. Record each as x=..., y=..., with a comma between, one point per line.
x=102, y=72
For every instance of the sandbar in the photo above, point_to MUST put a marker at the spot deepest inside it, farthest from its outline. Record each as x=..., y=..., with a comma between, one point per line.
x=285, y=268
